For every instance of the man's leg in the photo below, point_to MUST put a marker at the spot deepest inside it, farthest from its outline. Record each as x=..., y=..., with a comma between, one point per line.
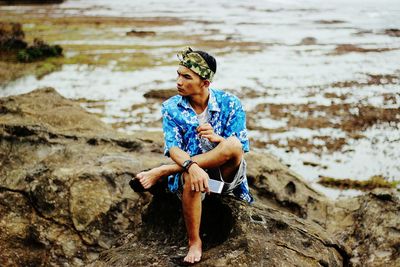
x=227, y=156
x=191, y=204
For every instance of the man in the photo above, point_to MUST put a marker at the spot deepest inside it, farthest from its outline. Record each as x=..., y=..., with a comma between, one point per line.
x=205, y=135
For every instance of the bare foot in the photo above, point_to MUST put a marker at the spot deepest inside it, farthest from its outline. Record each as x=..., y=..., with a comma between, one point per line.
x=194, y=254
x=149, y=178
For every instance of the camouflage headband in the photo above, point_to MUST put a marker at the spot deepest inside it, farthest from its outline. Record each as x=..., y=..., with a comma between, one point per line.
x=196, y=63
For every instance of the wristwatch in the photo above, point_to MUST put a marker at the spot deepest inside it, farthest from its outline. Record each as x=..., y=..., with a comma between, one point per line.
x=187, y=163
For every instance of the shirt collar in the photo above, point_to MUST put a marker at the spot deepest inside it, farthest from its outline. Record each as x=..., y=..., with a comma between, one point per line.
x=212, y=102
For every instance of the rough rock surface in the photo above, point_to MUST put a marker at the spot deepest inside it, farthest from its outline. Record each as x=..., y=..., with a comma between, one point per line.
x=370, y=227
x=63, y=181
x=233, y=234
x=65, y=201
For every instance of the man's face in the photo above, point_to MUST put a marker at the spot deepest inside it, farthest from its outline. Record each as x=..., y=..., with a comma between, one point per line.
x=188, y=82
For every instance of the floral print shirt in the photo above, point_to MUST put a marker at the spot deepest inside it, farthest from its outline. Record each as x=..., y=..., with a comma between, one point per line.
x=180, y=121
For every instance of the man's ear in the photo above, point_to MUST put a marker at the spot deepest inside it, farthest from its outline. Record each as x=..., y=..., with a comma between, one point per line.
x=206, y=83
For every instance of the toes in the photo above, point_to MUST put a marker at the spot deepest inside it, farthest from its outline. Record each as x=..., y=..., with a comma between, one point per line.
x=186, y=259
x=142, y=182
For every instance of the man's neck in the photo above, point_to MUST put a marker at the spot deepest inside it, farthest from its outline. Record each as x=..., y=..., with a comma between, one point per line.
x=199, y=102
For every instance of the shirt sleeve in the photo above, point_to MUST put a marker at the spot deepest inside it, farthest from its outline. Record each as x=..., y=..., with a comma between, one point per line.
x=172, y=132
x=236, y=124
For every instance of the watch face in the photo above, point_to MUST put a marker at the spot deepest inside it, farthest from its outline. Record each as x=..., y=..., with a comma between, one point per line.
x=186, y=163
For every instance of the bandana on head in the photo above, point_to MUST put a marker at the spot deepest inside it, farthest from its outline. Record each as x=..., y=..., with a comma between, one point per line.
x=196, y=63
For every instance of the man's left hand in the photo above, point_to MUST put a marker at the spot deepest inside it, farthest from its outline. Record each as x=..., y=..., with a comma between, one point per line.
x=207, y=131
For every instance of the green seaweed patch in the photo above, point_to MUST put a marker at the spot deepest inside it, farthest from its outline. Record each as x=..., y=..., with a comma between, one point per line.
x=87, y=59
x=219, y=47
x=38, y=51
x=121, y=124
x=376, y=181
x=91, y=104
x=103, y=59
x=83, y=100
x=12, y=70
x=40, y=15
x=46, y=67
x=120, y=61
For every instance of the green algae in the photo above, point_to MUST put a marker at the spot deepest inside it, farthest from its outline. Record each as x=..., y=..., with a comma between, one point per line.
x=376, y=181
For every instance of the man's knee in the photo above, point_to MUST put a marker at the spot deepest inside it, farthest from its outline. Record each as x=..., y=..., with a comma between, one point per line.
x=232, y=147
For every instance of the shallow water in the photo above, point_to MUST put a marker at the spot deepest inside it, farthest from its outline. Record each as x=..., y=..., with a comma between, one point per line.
x=281, y=70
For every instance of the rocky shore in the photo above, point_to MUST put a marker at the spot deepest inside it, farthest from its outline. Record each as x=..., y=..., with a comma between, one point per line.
x=65, y=201
x=307, y=99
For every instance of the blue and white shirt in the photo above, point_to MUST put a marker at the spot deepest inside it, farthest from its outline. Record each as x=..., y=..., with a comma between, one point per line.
x=180, y=121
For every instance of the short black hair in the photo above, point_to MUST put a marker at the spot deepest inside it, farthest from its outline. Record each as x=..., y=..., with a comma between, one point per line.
x=211, y=62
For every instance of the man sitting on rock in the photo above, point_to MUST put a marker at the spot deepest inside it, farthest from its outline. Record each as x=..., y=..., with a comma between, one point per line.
x=206, y=137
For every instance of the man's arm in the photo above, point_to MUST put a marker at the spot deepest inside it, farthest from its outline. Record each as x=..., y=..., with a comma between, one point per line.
x=173, y=135
x=198, y=178
x=235, y=126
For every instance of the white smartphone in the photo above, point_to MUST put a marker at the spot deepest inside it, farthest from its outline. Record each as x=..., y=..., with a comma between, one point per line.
x=215, y=186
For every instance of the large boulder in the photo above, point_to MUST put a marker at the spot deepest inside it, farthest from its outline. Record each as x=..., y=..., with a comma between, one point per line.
x=65, y=201
x=63, y=181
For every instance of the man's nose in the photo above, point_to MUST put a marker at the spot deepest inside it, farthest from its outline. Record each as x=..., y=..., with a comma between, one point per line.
x=179, y=81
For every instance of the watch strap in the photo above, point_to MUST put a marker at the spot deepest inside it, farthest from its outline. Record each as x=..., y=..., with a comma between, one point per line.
x=187, y=163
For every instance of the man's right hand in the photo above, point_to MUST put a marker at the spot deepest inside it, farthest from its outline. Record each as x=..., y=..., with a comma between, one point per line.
x=198, y=178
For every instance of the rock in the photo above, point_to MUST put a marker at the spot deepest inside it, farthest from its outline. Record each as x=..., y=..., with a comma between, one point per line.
x=276, y=186
x=349, y=48
x=308, y=41
x=67, y=174
x=334, y=21
x=65, y=201
x=162, y=94
x=28, y=239
x=369, y=225
x=11, y=36
x=233, y=233
x=14, y=50
x=140, y=33
x=13, y=45
x=30, y=2
x=393, y=32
